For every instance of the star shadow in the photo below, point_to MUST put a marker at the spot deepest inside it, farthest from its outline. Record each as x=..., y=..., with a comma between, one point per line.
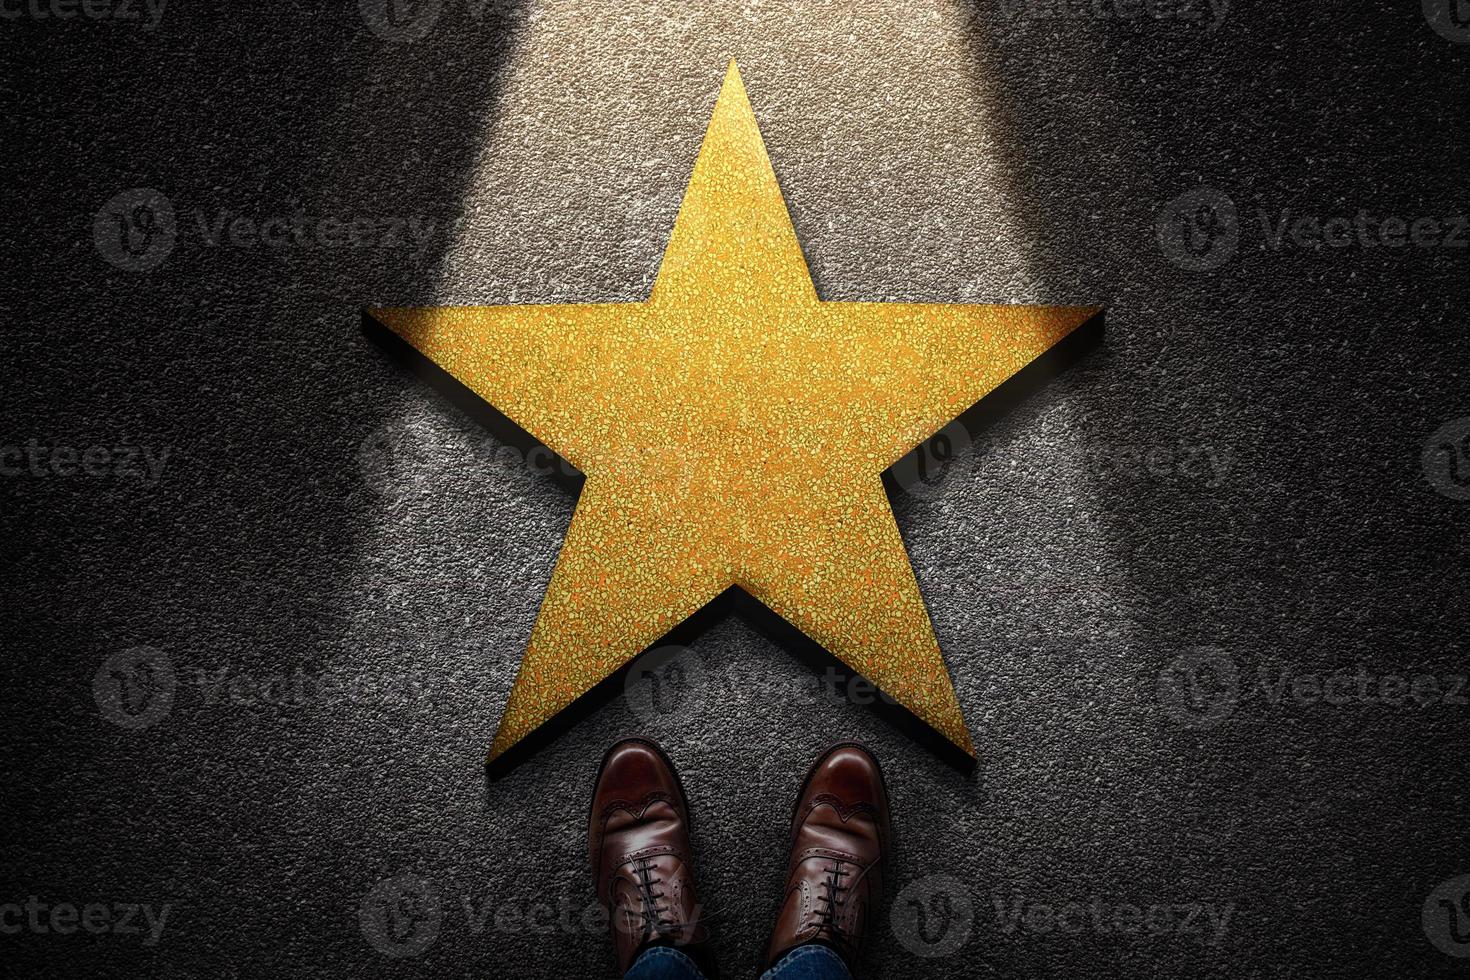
x=733, y=601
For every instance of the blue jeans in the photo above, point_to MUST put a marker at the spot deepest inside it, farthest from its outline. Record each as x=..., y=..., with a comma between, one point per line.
x=802, y=963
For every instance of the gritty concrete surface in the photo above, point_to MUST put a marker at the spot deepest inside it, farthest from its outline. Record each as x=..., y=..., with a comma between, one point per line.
x=1249, y=484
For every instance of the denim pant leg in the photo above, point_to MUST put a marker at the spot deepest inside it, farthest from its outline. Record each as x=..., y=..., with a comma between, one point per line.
x=810, y=962
x=663, y=963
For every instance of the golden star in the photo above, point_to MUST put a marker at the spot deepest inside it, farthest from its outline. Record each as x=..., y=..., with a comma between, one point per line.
x=733, y=430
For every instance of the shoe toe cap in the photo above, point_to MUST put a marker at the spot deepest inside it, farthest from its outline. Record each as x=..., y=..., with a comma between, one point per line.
x=851, y=774
x=633, y=769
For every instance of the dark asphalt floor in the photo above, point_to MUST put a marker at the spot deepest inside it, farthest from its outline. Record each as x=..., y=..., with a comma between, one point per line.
x=1203, y=593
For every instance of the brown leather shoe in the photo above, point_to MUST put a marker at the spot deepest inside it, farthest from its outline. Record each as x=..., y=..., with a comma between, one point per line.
x=638, y=838
x=839, y=839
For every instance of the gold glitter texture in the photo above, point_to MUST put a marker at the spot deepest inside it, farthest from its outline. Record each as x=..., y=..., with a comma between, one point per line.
x=732, y=429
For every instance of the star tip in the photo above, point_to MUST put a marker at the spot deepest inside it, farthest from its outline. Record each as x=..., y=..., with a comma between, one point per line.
x=1081, y=315
x=732, y=76
x=382, y=318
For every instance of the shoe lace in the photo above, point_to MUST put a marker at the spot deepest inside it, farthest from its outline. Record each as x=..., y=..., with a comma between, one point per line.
x=832, y=895
x=656, y=918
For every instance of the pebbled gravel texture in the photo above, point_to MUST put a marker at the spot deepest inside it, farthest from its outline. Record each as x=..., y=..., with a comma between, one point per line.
x=267, y=589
